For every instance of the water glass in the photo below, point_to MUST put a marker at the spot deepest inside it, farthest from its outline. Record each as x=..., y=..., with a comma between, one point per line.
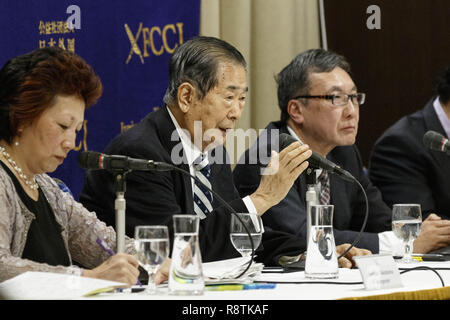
x=407, y=224
x=238, y=233
x=152, y=248
x=321, y=259
x=186, y=272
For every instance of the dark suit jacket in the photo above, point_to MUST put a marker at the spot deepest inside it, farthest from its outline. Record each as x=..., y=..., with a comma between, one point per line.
x=154, y=197
x=406, y=171
x=348, y=200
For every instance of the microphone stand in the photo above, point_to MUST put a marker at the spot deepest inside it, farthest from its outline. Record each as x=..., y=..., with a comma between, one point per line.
x=120, y=172
x=120, y=185
x=173, y=167
x=119, y=208
x=311, y=198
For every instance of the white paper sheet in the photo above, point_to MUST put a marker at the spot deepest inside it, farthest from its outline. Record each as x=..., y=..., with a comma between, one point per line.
x=50, y=286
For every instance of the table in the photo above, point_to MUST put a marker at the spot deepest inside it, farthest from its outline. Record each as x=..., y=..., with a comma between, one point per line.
x=417, y=284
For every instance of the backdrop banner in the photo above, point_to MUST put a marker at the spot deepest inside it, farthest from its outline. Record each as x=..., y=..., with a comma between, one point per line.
x=128, y=43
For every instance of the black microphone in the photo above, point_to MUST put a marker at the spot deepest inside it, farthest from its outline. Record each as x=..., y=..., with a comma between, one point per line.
x=436, y=141
x=316, y=160
x=96, y=160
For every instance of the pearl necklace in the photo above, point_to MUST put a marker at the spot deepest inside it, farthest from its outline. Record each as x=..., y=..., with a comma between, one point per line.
x=31, y=184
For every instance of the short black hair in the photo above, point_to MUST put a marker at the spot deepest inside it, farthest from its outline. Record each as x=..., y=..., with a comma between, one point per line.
x=443, y=86
x=196, y=62
x=293, y=80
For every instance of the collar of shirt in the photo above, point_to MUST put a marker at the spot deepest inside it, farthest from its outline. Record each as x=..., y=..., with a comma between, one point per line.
x=445, y=121
x=190, y=150
x=292, y=133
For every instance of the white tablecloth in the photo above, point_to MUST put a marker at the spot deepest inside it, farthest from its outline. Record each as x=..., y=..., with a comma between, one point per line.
x=412, y=281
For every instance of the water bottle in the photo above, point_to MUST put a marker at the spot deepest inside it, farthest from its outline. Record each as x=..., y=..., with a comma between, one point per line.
x=186, y=273
x=321, y=258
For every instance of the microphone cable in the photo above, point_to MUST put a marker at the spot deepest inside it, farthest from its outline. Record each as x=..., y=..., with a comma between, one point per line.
x=420, y=268
x=226, y=205
x=425, y=268
x=86, y=162
x=316, y=160
x=366, y=217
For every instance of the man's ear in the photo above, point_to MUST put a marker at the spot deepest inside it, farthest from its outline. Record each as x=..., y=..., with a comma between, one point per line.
x=186, y=96
x=295, y=111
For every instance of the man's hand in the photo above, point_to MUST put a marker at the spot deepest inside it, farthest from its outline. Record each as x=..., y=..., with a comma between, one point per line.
x=279, y=176
x=435, y=234
x=347, y=260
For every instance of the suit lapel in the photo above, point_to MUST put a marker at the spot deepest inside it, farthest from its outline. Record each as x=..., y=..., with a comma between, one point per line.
x=432, y=123
x=170, y=140
x=339, y=199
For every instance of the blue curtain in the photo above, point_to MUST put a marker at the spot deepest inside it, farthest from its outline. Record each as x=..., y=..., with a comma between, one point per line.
x=128, y=43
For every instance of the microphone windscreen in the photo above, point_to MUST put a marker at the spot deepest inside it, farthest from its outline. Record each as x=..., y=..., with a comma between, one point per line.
x=433, y=140
x=89, y=159
x=286, y=140
x=314, y=161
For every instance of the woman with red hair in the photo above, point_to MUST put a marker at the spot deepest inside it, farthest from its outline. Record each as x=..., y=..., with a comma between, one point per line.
x=43, y=96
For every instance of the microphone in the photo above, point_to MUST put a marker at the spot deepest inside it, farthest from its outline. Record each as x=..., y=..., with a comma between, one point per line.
x=96, y=160
x=436, y=141
x=316, y=160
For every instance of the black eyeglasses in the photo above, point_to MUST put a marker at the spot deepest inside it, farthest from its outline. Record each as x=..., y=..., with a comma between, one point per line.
x=339, y=100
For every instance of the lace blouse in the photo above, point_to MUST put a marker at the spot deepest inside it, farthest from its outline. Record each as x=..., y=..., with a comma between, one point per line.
x=80, y=229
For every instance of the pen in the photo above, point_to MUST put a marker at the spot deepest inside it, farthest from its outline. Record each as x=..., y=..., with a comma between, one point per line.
x=108, y=250
x=250, y=286
x=105, y=247
x=429, y=256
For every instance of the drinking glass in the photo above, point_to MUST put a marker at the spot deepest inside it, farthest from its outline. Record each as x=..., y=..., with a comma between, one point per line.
x=406, y=224
x=152, y=248
x=239, y=236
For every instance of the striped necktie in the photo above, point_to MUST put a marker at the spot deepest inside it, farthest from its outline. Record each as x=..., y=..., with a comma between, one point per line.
x=202, y=196
x=324, y=180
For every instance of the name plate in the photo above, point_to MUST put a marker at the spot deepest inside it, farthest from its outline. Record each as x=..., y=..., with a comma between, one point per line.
x=378, y=271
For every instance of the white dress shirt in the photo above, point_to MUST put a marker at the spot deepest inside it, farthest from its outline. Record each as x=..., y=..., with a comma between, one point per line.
x=192, y=152
x=442, y=116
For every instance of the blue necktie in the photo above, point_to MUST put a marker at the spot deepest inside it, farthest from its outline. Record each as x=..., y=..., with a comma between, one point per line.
x=202, y=196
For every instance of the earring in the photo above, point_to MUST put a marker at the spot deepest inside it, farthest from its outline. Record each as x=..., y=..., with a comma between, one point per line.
x=16, y=143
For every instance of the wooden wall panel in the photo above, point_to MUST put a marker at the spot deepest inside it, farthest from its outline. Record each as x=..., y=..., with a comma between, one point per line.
x=395, y=66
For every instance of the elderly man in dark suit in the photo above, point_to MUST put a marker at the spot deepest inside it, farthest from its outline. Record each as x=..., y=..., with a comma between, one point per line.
x=406, y=171
x=319, y=105
x=205, y=97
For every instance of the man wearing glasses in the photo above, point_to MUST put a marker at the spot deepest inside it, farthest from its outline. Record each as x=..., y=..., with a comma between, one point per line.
x=319, y=105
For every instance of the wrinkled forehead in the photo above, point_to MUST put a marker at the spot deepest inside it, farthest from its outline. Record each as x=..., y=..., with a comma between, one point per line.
x=232, y=77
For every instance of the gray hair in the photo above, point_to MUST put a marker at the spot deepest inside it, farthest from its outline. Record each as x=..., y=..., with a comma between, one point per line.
x=196, y=61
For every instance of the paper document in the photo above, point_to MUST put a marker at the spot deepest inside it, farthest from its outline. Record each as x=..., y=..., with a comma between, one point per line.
x=226, y=271
x=51, y=286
